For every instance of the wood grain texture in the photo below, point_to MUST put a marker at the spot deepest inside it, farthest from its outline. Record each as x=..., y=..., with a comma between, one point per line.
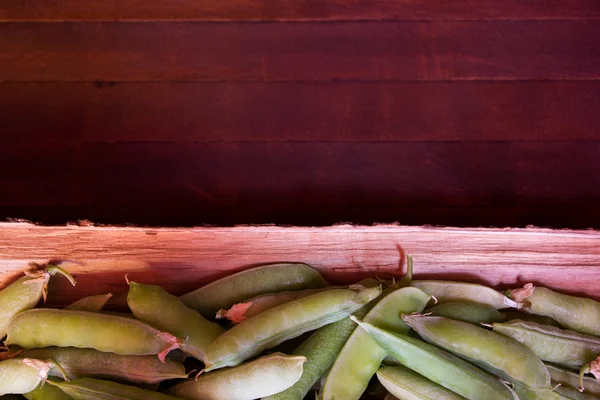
x=183, y=259
x=59, y=10
x=340, y=174
x=281, y=112
x=424, y=51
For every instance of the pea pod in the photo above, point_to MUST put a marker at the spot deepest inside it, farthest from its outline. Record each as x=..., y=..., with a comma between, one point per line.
x=97, y=389
x=47, y=392
x=467, y=311
x=262, y=377
x=255, y=305
x=527, y=393
x=361, y=356
x=109, y=333
x=493, y=352
x=153, y=305
x=593, y=368
x=90, y=303
x=569, y=393
x=25, y=293
x=552, y=344
x=448, y=291
x=90, y=363
x=284, y=322
x=22, y=375
x=439, y=366
x=407, y=384
x=320, y=350
x=270, y=278
x=570, y=379
x=576, y=313
x=523, y=316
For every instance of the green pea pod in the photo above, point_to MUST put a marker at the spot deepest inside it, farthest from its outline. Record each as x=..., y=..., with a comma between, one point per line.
x=467, y=311
x=109, y=333
x=25, y=293
x=320, y=350
x=90, y=363
x=255, y=305
x=570, y=379
x=153, y=305
x=97, y=389
x=90, y=303
x=408, y=385
x=552, y=344
x=491, y=351
x=576, y=313
x=284, y=322
x=22, y=375
x=439, y=366
x=47, y=392
x=233, y=289
x=448, y=291
x=523, y=316
x=527, y=393
x=262, y=377
x=569, y=393
x=361, y=356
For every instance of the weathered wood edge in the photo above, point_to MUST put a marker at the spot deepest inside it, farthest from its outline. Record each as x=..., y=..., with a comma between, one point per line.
x=181, y=259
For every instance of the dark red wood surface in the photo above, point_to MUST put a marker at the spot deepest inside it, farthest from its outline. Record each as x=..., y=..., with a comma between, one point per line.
x=475, y=114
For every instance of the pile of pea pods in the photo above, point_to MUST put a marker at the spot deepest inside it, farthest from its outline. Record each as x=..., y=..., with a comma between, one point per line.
x=281, y=332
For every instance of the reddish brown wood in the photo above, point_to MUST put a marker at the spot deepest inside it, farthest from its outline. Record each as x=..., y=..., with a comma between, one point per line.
x=33, y=175
x=455, y=50
x=340, y=174
x=295, y=10
x=183, y=259
x=279, y=112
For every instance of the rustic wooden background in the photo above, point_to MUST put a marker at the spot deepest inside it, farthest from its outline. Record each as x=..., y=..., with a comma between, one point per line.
x=466, y=113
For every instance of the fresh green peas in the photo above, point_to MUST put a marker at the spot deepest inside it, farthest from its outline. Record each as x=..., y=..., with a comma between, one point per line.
x=25, y=293
x=47, y=392
x=90, y=363
x=448, y=291
x=361, y=356
x=22, y=375
x=570, y=379
x=552, y=344
x=439, y=366
x=260, y=378
x=90, y=303
x=467, y=311
x=576, y=313
x=407, y=384
x=284, y=322
x=109, y=333
x=153, y=305
x=511, y=315
x=255, y=305
x=97, y=389
x=233, y=289
x=320, y=350
x=491, y=351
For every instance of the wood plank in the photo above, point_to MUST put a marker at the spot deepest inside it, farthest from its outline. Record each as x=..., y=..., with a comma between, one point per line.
x=433, y=50
x=336, y=174
x=183, y=259
x=217, y=10
x=38, y=175
x=284, y=111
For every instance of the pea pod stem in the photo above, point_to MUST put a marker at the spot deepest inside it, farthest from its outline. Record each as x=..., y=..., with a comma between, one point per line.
x=591, y=367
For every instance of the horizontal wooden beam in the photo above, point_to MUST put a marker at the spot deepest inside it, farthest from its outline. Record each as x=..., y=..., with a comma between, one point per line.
x=300, y=112
x=314, y=51
x=183, y=259
x=328, y=10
